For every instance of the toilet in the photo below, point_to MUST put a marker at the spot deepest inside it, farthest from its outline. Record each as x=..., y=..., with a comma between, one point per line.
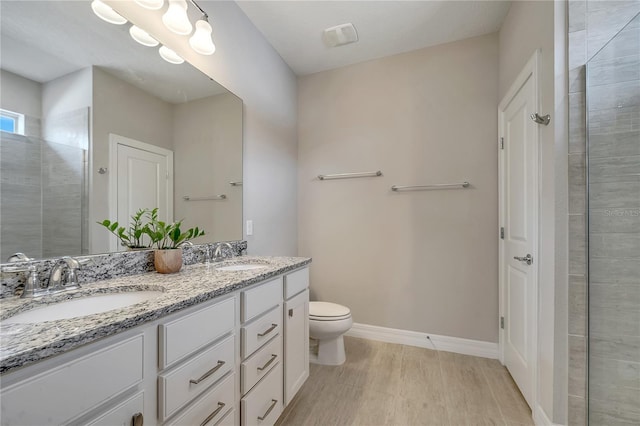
x=327, y=324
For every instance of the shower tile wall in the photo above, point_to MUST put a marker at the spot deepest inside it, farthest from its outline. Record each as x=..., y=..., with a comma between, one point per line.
x=20, y=195
x=43, y=188
x=613, y=112
x=64, y=165
x=591, y=25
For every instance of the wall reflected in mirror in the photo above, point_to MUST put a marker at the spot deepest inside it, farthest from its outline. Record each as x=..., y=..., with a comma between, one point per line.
x=78, y=84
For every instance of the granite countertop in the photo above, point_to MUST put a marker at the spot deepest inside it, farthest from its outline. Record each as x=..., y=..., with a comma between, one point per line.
x=23, y=344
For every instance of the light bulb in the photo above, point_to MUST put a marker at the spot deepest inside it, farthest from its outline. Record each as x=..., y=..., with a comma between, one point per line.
x=105, y=13
x=142, y=37
x=170, y=56
x=176, y=18
x=201, y=40
x=150, y=4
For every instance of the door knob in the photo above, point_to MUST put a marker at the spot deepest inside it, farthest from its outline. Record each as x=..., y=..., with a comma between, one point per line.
x=528, y=259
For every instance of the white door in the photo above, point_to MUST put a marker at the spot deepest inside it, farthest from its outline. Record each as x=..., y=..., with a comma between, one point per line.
x=519, y=218
x=143, y=179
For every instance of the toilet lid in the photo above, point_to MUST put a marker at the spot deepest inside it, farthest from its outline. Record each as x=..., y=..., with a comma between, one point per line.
x=327, y=310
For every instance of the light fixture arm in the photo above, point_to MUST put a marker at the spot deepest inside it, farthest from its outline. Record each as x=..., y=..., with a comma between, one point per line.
x=204, y=14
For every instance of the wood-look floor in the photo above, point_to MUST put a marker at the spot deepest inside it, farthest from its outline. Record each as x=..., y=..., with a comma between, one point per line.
x=388, y=384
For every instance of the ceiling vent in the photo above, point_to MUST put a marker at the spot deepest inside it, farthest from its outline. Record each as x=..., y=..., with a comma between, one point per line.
x=340, y=35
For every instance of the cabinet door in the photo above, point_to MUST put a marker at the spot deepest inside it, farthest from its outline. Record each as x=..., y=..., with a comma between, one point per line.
x=296, y=344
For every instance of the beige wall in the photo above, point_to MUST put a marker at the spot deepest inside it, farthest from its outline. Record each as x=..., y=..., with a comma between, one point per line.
x=530, y=25
x=67, y=93
x=421, y=261
x=124, y=110
x=207, y=136
x=247, y=65
x=19, y=94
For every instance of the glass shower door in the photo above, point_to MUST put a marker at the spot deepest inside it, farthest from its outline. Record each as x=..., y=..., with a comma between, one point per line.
x=613, y=123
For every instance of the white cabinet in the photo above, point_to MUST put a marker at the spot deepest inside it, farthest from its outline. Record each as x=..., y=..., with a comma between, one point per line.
x=261, y=349
x=198, y=353
x=236, y=359
x=296, y=332
x=296, y=346
x=263, y=405
x=64, y=392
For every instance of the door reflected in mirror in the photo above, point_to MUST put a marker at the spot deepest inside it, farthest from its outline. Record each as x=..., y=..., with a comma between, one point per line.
x=74, y=86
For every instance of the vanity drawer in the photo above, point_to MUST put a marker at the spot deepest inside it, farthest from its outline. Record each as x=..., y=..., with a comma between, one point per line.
x=212, y=406
x=185, y=335
x=261, y=331
x=260, y=299
x=176, y=388
x=229, y=419
x=263, y=405
x=86, y=382
x=296, y=282
x=260, y=363
x=122, y=414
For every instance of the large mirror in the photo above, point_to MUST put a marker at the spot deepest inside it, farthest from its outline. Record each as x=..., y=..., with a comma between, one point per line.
x=96, y=126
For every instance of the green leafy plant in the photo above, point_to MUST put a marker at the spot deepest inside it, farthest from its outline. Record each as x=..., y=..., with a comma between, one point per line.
x=132, y=236
x=166, y=236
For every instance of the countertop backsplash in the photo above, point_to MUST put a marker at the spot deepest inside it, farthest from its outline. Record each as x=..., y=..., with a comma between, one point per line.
x=108, y=265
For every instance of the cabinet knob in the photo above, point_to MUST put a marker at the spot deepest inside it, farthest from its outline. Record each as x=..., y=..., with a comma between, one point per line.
x=137, y=419
x=290, y=312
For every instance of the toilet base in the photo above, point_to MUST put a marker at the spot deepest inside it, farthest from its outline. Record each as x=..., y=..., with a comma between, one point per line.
x=330, y=352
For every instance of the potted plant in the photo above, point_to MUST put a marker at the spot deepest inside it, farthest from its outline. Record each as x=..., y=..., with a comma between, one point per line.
x=131, y=237
x=167, y=239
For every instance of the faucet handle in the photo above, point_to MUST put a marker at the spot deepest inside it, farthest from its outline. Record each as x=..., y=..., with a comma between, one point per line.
x=32, y=286
x=19, y=257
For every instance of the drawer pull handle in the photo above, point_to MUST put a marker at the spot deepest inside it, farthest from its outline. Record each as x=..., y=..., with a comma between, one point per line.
x=273, y=404
x=208, y=373
x=264, y=367
x=268, y=330
x=212, y=415
x=137, y=419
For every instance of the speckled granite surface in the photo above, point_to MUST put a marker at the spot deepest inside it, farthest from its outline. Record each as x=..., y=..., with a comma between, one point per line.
x=23, y=344
x=109, y=265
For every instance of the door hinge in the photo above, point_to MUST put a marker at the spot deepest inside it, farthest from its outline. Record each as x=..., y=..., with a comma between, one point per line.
x=291, y=312
x=501, y=143
x=502, y=233
x=502, y=323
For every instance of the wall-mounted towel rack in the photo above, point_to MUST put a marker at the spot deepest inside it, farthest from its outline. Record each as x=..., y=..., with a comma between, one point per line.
x=428, y=187
x=350, y=175
x=213, y=197
x=239, y=183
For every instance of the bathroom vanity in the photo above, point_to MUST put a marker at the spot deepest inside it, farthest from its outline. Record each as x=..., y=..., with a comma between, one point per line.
x=215, y=347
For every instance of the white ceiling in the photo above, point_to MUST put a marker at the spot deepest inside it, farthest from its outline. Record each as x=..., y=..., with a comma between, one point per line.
x=294, y=28
x=44, y=40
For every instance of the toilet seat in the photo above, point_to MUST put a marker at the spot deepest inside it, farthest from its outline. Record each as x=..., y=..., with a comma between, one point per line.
x=326, y=311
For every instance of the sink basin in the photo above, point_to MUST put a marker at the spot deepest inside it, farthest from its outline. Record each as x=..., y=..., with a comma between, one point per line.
x=81, y=307
x=241, y=267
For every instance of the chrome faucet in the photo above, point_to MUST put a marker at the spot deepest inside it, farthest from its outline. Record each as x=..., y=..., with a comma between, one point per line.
x=217, y=254
x=56, y=282
x=32, y=285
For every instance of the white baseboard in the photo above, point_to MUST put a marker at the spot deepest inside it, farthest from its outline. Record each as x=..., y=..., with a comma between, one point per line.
x=540, y=418
x=414, y=338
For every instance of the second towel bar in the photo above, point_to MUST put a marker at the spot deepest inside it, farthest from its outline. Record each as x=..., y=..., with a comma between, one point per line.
x=213, y=197
x=350, y=175
x=427, y=187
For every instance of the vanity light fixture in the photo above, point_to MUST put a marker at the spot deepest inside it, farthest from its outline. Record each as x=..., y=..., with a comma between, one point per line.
x=201, y=40
x=151, y=4
x=142, y=37
x=106, y=13
x=170, y=56
x=176, y=18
